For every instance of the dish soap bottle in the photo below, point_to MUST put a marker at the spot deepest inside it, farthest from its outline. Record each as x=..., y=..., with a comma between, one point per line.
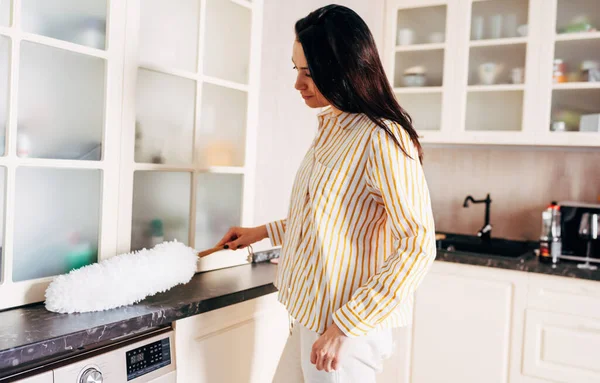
x=156, y=232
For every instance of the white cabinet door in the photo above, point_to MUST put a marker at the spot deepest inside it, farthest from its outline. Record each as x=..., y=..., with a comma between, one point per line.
x=466, y=324
x=561, y=347
x=239, y=343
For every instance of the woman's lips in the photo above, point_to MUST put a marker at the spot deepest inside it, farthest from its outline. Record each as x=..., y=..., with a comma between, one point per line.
x=306, y=97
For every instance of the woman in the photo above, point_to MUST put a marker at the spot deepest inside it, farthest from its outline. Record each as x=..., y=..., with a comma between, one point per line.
x=359, y=235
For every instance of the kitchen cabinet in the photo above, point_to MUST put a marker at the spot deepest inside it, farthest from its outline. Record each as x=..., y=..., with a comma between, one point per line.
x=238, y=343
x=487, y=68
x=471, y=324
x=562, y=330
x=189, y=122
x=475, y=324
x=243, y=343
x=127, y=123
x=61, y=67
x=466, y=325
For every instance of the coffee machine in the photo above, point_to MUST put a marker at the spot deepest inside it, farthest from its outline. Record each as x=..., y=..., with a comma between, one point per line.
x=580, y=237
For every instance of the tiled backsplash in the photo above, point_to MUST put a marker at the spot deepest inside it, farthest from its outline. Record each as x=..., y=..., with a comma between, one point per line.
x=521, y=181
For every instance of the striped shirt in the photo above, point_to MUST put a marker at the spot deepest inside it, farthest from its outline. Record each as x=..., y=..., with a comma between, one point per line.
x=359, y=235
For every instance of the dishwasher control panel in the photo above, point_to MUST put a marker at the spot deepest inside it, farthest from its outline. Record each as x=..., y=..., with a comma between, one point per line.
x=148, y=358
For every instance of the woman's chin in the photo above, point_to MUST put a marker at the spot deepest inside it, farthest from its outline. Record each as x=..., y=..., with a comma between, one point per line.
x=312, y=102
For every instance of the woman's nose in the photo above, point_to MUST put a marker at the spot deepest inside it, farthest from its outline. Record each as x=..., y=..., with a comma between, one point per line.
x=300, y=83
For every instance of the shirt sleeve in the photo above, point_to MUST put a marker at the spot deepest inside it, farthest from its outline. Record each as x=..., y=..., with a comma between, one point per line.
x=276, y=231
x=397, y=183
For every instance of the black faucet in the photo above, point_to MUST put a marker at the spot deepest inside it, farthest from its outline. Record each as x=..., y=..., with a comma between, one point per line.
x=485, y=233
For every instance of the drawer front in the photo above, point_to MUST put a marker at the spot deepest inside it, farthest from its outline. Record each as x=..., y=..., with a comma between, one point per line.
x=565, y=295
x=561, y=347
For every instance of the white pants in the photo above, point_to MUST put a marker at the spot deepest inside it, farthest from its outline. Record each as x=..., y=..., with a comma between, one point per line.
x=360, y=358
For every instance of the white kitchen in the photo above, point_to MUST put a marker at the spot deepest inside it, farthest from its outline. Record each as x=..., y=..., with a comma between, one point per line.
x=129, y=124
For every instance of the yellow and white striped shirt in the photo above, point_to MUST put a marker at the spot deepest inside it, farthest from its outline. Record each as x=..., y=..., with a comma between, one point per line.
x=359, y=235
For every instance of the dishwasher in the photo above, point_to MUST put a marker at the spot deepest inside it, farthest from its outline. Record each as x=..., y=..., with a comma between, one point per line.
x=145, y=359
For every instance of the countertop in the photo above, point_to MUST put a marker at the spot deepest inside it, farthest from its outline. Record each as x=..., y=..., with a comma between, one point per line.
x=31, y=335
x=527, y=263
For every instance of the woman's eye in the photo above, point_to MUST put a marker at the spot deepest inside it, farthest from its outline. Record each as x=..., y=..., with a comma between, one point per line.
x=308, y=75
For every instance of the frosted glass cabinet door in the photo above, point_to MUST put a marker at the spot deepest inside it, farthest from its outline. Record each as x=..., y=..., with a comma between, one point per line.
x=165, y=107
x=169, y=33
x=161, y=208
x=223, y=127
x=4, y=12
x=4, y=58
x=76, y=21
x=61, y=104
x=227, y=41
x=2, y=196
x=218, y=206
x=57, y=216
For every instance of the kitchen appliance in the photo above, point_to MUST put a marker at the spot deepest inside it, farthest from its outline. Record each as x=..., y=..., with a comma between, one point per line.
x=588, y=230
x=145, y=359
x=574, y=244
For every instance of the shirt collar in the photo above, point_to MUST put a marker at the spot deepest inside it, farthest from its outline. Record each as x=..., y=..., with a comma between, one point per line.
x=344, y=119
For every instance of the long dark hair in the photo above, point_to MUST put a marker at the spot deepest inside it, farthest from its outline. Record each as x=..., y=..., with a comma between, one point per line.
x=344, y=64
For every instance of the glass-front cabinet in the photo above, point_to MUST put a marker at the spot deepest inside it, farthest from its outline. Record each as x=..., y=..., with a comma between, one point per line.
x=190, y=91
x=60, y=110
x=419, y=61
x=571, y=71
x=523, y=72
x=122, y=124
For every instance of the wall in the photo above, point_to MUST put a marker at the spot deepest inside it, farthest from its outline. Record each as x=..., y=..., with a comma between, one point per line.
x=521, y=181
x=286, y=125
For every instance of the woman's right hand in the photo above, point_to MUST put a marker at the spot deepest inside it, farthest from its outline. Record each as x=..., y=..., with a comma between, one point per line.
x=240, y=237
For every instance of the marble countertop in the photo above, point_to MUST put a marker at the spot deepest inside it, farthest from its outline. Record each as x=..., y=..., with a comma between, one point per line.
x=31, y=335
x=527, y=263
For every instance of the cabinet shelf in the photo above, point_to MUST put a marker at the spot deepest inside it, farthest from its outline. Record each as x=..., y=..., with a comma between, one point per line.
x=226, y=83
x=420, y=47
x=184, y=168
x=243, y=3
x=61, y=44
x=576, y=85
x=420, y=89
x=495, y=42
x=496, y=88
x=168, y=70
x=577, y=36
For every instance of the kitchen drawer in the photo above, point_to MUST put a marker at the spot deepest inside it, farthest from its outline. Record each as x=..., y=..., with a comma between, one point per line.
x=564, y=295
x=561, y=347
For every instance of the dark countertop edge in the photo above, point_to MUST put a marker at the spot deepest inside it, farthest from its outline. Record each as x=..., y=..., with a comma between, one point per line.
x=527, y=263
x=114, y=331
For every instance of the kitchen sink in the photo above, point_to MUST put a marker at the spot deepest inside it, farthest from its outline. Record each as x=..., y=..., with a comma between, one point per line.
x=495, y=247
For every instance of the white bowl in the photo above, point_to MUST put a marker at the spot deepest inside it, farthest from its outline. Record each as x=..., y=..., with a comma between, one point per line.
x=414, y=80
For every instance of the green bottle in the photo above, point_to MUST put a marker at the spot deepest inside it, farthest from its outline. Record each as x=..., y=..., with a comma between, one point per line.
x=157, y=232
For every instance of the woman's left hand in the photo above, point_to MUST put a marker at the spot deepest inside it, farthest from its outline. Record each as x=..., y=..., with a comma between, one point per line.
x=326, y=350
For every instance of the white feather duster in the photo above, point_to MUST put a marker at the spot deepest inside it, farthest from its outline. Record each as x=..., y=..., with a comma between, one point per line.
x=122, y=280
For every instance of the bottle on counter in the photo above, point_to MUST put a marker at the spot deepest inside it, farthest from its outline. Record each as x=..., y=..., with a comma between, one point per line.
x=551, y=239
x=156, y=232
x=80, y=252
